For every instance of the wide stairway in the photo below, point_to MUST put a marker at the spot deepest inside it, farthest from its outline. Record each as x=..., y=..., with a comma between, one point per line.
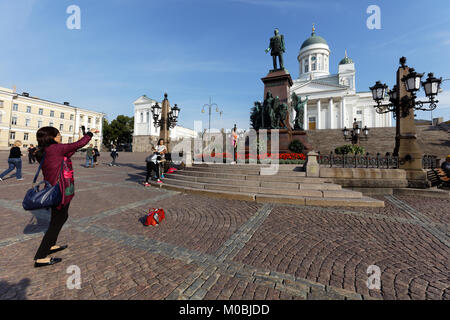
x=245, y=182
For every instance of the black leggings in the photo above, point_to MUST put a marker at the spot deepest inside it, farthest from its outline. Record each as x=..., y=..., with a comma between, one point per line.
x=58, y=218
x=152, y=167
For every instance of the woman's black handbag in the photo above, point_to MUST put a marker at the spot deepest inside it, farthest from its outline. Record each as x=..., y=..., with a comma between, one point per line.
x=49, y=196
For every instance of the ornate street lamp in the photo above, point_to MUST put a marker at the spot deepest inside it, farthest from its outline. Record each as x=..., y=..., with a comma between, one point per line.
x=402, y=106
x=355, y=135
x=210, y=105
x=156, y=111
x=172, y=117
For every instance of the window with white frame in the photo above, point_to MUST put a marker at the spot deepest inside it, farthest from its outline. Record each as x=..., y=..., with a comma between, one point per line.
x=15, y=107
x=62, y=115
x=52, y=113
x=70, y=128
x=306, y=64
x=313, y=63
x=39, y=123
x=41, y=111
x=27, y=122
x=12, y=135
x=71, y=117
x=1, y=104
x=28, y=109
x=25, y=136
x=61, y=127
x=14, y=120
x=51, y=124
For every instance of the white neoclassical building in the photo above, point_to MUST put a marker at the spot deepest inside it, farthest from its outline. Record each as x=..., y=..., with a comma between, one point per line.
x=333, y=102
x=145, y=132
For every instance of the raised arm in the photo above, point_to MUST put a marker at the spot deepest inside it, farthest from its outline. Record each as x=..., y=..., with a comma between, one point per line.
x=70, y=148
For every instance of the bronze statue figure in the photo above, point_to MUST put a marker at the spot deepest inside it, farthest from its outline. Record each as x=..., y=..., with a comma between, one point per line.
x=299, y=107
x=255, y=117
x=277, y=49
x=271, y=114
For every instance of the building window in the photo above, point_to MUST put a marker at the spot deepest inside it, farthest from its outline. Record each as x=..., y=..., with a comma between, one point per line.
x=12, y=135
x=39, y=123
x=25, y=136
x=52, y=113
x=51, y=124
x=71, y=117
x=70, y=128
x=306, y=63
x=41, y=111
x=89, y=120
x=70, y=140
x=61, y=127
x=313, y=63
x=14, y=120
x=359, y=112
x=1, y=104
x=15, y=107
x=142, y=117
x=28, y=109
x=27, y=122
x=62, y=115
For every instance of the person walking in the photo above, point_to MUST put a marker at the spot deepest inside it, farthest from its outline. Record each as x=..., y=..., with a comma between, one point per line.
x=96, y=155
x=52, y=154
x=31, y=157
x=14, y=161
x=89, y=156
x=114, y=154
x=445, y=166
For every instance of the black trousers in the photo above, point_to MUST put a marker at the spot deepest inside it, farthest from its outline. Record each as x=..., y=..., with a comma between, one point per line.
x=58, y=218
x=152, y=167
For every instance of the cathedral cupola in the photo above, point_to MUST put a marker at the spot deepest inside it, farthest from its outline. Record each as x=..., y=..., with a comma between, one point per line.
x=314, y=57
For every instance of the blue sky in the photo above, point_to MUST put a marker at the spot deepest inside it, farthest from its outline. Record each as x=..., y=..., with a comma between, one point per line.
x=194, y=49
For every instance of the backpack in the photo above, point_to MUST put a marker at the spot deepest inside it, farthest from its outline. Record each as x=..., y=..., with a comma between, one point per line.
x=67, y=182
x=154, y=217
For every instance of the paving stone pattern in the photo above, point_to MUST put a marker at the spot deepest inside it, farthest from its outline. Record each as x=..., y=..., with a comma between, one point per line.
x=210, y=248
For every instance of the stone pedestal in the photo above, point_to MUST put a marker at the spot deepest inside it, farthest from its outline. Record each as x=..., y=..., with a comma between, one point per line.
x=410, y=154
x=279, y=83
x=164, y=131
x=312, y=166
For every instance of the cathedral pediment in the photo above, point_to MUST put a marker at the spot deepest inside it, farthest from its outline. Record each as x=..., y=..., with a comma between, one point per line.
x=318, y=86
x=143, y=100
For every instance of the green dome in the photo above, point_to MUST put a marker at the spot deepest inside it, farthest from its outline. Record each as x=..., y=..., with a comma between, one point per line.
x=346, y=60
x=314, y=39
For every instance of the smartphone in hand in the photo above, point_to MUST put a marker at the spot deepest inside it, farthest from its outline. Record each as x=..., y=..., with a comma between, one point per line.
x=83, y=128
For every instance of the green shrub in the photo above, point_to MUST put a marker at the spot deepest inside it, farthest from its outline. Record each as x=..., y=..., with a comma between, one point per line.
x=296, y=146
x=350, y=149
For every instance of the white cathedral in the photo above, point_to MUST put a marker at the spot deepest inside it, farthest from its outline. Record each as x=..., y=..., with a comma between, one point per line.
x=333, y=102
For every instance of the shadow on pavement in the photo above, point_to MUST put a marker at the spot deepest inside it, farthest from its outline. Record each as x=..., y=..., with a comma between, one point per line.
x=38, y=223
x=16, y=291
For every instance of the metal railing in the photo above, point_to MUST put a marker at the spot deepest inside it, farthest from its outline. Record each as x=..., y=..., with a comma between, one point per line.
x=358, y=161
x=430, y=162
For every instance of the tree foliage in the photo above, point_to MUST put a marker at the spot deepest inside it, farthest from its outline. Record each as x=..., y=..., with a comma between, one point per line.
x=119, y=131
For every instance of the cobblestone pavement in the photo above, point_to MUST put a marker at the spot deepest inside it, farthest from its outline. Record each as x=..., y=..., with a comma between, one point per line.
x=220, y=249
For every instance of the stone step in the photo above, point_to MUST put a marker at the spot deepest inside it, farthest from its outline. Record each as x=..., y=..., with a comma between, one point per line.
x=285, y=199
x=268, y=189
x=240, y=176
x=244, y=171
x=301, y=183
x=282, y=167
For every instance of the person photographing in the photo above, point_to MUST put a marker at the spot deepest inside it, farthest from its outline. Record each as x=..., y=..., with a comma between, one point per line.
x=54, y=158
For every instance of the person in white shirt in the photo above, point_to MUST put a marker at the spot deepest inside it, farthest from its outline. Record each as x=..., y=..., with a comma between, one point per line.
x=162, y=150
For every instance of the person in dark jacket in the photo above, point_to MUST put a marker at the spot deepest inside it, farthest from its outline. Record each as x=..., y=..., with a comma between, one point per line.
x=446, y=166
x=14, y=161
x=52, y=152
x=96, y=155
x=31, y=157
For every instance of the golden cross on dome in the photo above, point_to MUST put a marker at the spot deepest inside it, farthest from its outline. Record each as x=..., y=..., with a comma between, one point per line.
x=313, y=28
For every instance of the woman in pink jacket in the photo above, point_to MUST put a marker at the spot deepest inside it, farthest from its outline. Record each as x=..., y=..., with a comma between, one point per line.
x=54, y=155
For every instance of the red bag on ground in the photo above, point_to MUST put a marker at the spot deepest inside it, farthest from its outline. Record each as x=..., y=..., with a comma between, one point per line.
x=154, y=217
x=172, y=170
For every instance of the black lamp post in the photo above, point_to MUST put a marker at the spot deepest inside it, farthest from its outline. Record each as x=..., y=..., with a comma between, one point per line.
x=354, y=135
x=402, y=106
x=172, y=117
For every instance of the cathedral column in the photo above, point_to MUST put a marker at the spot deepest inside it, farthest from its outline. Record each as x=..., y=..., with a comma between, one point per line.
x=343, y=111
x=318, y=115
x=305, y=117
x=331, y=113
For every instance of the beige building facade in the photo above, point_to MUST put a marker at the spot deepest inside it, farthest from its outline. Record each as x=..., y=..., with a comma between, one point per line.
x=21, y=116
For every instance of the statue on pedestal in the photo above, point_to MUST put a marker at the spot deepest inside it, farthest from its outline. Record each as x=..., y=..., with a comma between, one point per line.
x=299, y=107
x=271, y=114
x=277, y=49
